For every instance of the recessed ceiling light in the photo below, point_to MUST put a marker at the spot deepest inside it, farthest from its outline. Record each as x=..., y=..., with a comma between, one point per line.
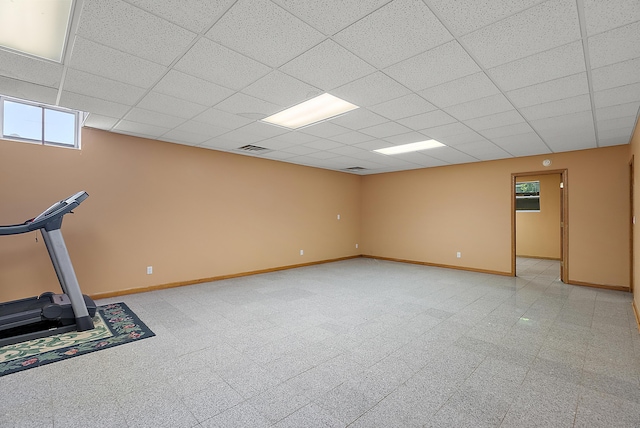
x=412, y=147
x=35, y=27
x=315, y=110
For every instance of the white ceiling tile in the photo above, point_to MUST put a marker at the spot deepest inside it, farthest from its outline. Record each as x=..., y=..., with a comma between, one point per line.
x=279, y=155
x=20, y=67
x=617, y=140
x=563, y=124
x=402, y=107
x=620, y=110
x=619, y=74
x=427, y=120
x=506, y=131
x=552, y=90
x=292, y=138
x=220, y=143
x=445, y=63
x=167, y=104
x=242, y=104
x=522, y=144
x=458, y=91
x=604, y=15
x=409, y=137
x=421, y=159
x=552, y=64
x=218, y=64
x=92, y=105
x=27, y=91
x=153, y=118
x=478, y=108
x=129, y=29
x=558, y=108
x=373, y=145
x=324, y=145
x=275, y=144
x=264, y=130
x=464, y=16
x=330, y=17
x=623, y=123
x=612, y=137
x=281, y=89
x=202, y=128
x=373, y=89
x=564, y=142
x=221, y=118
x=241, y=137
x=113, y=64
x=324, y=129
x=275, y=35
x=614, y=46
x=327, y=66
x=100, y=122
x=482, y=150
x=300, y=150
x=385, y=130
x=140, y=129
x=620, y=95
x=358, y=119
x=397, y=31
x=194, y=15
x=353, y=152
x=351, y=138
x=323, y=155
x=190, y=88
x=451, y=155
x=509, y=117
x=459, y=139
x=455, y=128
x=537, y=29
x=184, y=137
x=88, y=84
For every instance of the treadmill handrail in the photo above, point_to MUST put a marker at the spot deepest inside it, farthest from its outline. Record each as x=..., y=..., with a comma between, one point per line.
x=49, y=215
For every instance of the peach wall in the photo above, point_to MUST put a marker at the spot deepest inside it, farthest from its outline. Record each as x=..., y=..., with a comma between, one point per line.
x=428, y=215
x=190, y=213
x=538, y=233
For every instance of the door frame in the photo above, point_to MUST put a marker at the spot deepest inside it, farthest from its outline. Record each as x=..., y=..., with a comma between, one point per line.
x=564, y=219
x=631, y=221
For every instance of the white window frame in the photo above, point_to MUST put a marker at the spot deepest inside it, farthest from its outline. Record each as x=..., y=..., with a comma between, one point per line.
x=79, y=118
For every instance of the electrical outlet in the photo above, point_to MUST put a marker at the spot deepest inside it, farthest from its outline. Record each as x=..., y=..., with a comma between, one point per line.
x=458, y=254
x=149, y=270
x=356, y=245
x=338, y=216
x=302, y=252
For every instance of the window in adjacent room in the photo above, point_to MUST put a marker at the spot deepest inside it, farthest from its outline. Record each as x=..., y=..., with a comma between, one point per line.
x=528, y=196
x=39, y=123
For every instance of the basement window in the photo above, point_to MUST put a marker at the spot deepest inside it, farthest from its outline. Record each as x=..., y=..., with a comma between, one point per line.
x=528, y=196
x=39, y=123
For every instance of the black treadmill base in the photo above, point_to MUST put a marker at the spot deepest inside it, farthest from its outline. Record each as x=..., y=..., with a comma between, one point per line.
x=33, y=331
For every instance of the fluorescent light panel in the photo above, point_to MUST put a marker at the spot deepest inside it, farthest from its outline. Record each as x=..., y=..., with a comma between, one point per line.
x=35, y=27
x=411, y=147
x=316, y=109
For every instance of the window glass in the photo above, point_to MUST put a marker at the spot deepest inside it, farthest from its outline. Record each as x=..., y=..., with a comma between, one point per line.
x=59, y=127
x=528, y=196
x=22, y=121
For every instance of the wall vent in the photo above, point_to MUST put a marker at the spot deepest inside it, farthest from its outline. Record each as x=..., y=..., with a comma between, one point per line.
x=249, y=148
x=355, y=168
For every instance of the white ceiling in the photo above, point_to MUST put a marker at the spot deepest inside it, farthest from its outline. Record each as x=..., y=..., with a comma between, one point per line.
x=490, y=79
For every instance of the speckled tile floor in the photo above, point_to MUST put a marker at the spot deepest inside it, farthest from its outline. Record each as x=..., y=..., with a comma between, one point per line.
x=358, y=343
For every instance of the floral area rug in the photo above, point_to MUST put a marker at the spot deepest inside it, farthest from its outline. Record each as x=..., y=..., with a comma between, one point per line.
x=115, y=324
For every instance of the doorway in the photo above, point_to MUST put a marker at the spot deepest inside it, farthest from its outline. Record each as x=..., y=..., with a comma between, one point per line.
x=517, y=201
x=632, y=218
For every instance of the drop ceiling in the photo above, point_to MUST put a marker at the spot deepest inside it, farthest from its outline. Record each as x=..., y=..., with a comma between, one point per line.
x=491, y=79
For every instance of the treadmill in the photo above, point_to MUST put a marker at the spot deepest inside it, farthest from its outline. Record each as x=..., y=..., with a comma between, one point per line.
x=49, y=313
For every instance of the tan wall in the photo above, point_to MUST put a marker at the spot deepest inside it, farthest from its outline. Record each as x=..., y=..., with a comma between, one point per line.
x=428, y=215
x=538, y=233
x=635, y=152
x=190, y=213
